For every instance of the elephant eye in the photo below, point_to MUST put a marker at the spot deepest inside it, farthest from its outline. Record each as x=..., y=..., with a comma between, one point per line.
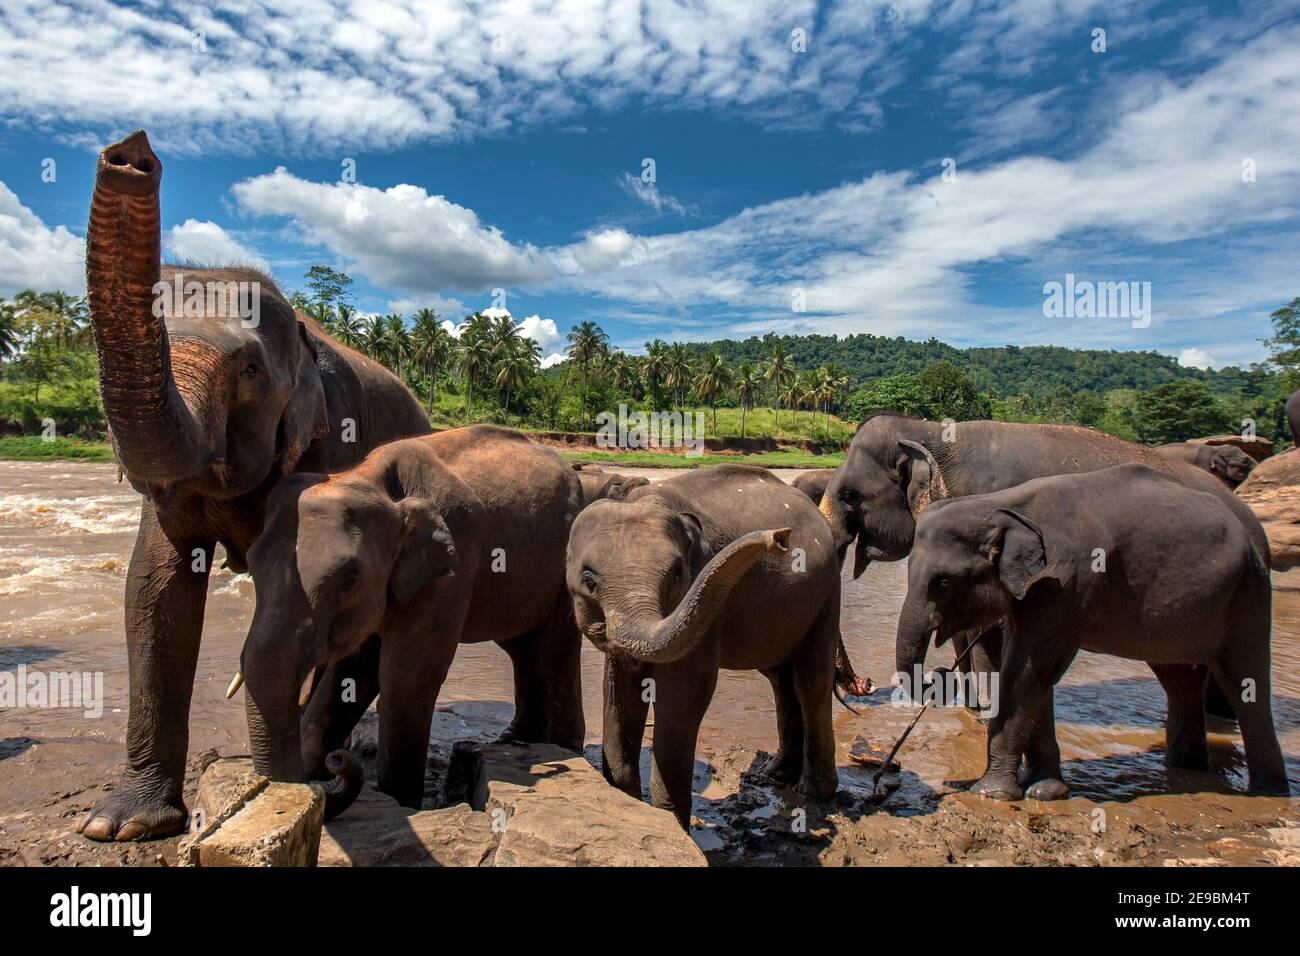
x=589, y=579
x=348, y=580
x=942, y=582
x=252, y=369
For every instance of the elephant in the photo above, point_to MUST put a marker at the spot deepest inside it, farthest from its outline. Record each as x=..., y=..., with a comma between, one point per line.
x=430, y=542
x=1293, y=416
x=211, y=399
x=1180, y=582
x=725, y=567
x=1228, y=463
x=897, y=464
x=847, y=681
x=598, y=484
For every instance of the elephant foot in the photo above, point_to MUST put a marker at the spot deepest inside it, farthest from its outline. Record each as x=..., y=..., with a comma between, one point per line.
x=782, y=767
x=1049, y=788
x=997, y=788
x=817, y=788
x=133, y=812
x=518, y=733
x=1270, y=786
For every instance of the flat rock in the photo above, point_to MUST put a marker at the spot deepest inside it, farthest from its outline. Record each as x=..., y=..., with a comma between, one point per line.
x=280, y=826
x=1273, y=493
x=226, y=785
x=377, y=831
x=550, y=807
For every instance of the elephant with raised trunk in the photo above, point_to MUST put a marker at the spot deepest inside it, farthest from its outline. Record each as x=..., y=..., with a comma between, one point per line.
x=726, y=567
x=376, y=574
x=1125, y=561
x=210, y=404
x=898, y=464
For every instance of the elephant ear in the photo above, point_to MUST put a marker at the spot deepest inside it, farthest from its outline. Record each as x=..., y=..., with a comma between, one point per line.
x=922, y=479
x=1018, y=551
x=700, y=552
x=427, y=551
x=304, y=419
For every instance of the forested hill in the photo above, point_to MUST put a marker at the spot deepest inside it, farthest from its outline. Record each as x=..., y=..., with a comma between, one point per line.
x=1036, y=370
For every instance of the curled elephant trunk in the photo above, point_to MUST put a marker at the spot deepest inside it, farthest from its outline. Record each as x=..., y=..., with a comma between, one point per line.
x=661, y=640
x=154, y=430
x=914, y=629
x=344, y=785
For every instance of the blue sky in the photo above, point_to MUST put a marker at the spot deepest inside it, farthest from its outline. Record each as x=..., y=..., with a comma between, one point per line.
x=501, y=145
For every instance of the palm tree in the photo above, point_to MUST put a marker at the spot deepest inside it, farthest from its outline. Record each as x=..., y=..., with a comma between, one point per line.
x=778, y=370
x=374, y=338
x=747, y=385
x=473, y=357
x=808, y=395
x=680, y=373
x=8, y=330
x=343, y=323
x=714, y=379
x=515, y=366
x=397, y=340
x=791, y=397
x=430, y=348
x=587, y=342
x=624, y=372
x=655, y=367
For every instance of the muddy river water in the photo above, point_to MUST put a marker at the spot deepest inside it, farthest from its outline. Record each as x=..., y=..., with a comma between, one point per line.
x=66, y=531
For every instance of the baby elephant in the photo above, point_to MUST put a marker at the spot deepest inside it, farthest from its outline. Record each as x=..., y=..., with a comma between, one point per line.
x=1125, y=561
x=598, y=484
x=367, y=580
x=722, y=567
x=1227, y=462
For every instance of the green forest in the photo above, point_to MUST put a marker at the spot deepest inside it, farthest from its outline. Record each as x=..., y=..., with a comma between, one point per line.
x=806, y=387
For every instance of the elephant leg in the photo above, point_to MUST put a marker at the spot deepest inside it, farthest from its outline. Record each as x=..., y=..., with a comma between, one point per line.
x=412, y=668
x=786, y=764
x=625, y=709
x=560, y=658
x=529, y=722
x=165, y=599
x=1185, y=743
x=347, y=688
x=1246, y=667
x=814, y=675
x=1042, y=778
x=1010, y=729
x=985, y=659
x=682, y=693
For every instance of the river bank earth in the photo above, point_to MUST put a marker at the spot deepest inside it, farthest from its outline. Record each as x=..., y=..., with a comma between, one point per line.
x=66, y=531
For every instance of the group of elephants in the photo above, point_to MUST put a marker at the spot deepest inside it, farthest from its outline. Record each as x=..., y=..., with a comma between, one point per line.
x=377, y=547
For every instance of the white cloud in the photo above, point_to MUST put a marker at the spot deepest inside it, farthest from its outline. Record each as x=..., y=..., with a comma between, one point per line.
x=34, y=256
x=648, y=193
x=1195, y=358
x=542, y=331
x=206, y=243
x=400, y=237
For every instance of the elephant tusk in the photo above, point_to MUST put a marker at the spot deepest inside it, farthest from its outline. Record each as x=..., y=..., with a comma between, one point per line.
x=236, y=682
x=304, y=692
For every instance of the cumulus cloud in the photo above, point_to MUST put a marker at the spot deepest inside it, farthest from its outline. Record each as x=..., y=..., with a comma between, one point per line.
x=1195, y=358
x=206, y=243
x=34, y=256
x=400, y=237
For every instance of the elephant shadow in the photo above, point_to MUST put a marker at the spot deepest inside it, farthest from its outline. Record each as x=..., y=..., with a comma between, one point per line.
x=24, y=654
x=1141, y=702
x=14, y=746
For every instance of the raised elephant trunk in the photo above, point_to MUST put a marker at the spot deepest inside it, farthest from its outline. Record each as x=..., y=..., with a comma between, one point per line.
x=915, y=625
x=661, y=640
x=154, y=429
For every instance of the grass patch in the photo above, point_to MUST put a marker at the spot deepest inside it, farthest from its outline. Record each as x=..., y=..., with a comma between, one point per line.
x=34, y=448
x=651, y=459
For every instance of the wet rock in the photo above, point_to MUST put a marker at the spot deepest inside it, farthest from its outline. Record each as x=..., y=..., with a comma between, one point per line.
x=552, y=808
x=377, y=831
x=280, y=826
x=1273, y=493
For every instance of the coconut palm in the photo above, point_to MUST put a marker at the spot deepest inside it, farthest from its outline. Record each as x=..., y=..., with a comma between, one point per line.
x=473, y=358
x=397, y=340
x=374, y=338
x=623, y=370
x=780, y=371
x=680, y=373
x=515, y=366
x=8, y=330
x=587, y=343
x=809, y=394
x=655, y=367
x=430, y=348
x=712, y=382
x=748, y=382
